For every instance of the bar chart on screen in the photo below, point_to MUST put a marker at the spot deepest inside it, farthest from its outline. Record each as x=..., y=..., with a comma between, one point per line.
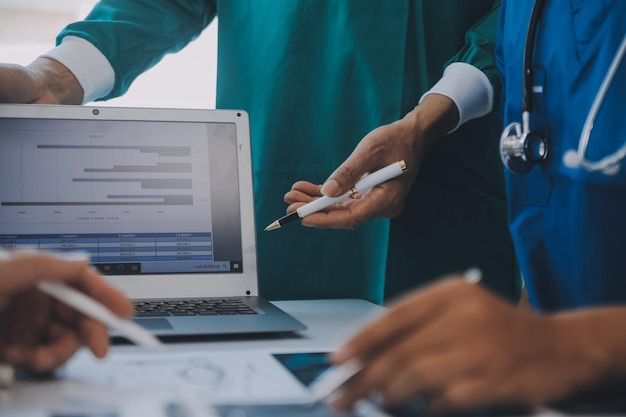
x=102, y=176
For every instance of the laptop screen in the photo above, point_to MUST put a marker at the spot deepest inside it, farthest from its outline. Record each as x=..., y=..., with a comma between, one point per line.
x=141, y=196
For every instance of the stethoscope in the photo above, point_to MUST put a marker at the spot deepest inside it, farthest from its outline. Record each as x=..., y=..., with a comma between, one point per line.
x=521, y=148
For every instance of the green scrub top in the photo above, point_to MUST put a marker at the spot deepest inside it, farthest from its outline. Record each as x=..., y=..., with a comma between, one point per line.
x=315, y=77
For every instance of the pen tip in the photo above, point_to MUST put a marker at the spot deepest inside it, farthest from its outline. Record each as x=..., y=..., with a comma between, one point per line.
x=274, y=225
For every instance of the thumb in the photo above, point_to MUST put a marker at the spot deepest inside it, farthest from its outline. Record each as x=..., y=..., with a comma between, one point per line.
x=345, y=176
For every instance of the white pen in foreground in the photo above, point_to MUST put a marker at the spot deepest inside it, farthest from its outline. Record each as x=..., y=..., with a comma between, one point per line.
x=93, y=309
x=90, y=307
x=367, y=182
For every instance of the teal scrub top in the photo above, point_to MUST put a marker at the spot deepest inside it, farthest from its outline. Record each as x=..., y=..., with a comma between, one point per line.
x=315, y=77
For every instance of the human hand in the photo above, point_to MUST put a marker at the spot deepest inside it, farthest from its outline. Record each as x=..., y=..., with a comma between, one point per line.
x=408, y=139
x=39, y=333
x=45, y=81
x=456, y=346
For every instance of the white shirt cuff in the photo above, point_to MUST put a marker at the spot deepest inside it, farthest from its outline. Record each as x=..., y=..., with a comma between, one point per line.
x=90, y=67
x=468, y=87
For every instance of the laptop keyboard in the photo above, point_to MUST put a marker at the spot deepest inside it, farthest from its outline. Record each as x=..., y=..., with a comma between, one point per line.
x=192, y=307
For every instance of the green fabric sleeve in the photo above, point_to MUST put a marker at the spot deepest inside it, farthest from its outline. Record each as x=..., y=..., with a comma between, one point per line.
x=135, y=35
x=479, y=47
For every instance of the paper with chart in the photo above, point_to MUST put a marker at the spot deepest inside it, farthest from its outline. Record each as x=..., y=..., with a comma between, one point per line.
x=65, y=398
x=216, y=377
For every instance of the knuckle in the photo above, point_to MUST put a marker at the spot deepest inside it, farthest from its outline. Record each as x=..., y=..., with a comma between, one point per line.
x=453, y=400
x=353, y=224
x=478, y=311
x=345, y=174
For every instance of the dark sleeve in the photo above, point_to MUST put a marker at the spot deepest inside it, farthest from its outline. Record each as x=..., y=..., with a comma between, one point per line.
x=479, y=47
x=135, y=34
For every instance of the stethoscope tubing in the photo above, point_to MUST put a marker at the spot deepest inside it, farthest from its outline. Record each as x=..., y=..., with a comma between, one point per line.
x=514, y=141
x=583, y=142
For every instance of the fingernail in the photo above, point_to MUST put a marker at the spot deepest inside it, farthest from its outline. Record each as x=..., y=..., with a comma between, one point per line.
x=337, y=400
x=330, y=188
x=338, y=354
x=473, y=275
x=377, y=397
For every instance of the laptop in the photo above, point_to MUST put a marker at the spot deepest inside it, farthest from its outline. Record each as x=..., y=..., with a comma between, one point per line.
x=161, y=199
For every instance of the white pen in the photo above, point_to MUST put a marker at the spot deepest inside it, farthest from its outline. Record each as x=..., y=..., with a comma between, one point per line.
x=334, y=377
x=367, y=182
x=90, y=307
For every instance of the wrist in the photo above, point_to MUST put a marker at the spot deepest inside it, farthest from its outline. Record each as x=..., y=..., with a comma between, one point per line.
x=468, y=87
x=596, y=341
x=431, y=120
x=57, y=83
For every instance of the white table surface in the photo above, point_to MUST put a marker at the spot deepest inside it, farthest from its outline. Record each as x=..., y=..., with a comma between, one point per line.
x=328, y=322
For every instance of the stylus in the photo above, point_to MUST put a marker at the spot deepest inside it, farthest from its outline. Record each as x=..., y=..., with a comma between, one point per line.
x=367, y=182
x=90, y=307
x=334, y=377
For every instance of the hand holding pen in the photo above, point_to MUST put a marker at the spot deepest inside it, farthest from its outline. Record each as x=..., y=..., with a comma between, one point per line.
x=405, y=139
x=38, y=333
x=329, y=385
x=365, y=184
x=454, y=346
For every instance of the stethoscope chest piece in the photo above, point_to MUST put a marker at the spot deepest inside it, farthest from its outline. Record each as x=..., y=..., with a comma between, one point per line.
x=520, y=149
